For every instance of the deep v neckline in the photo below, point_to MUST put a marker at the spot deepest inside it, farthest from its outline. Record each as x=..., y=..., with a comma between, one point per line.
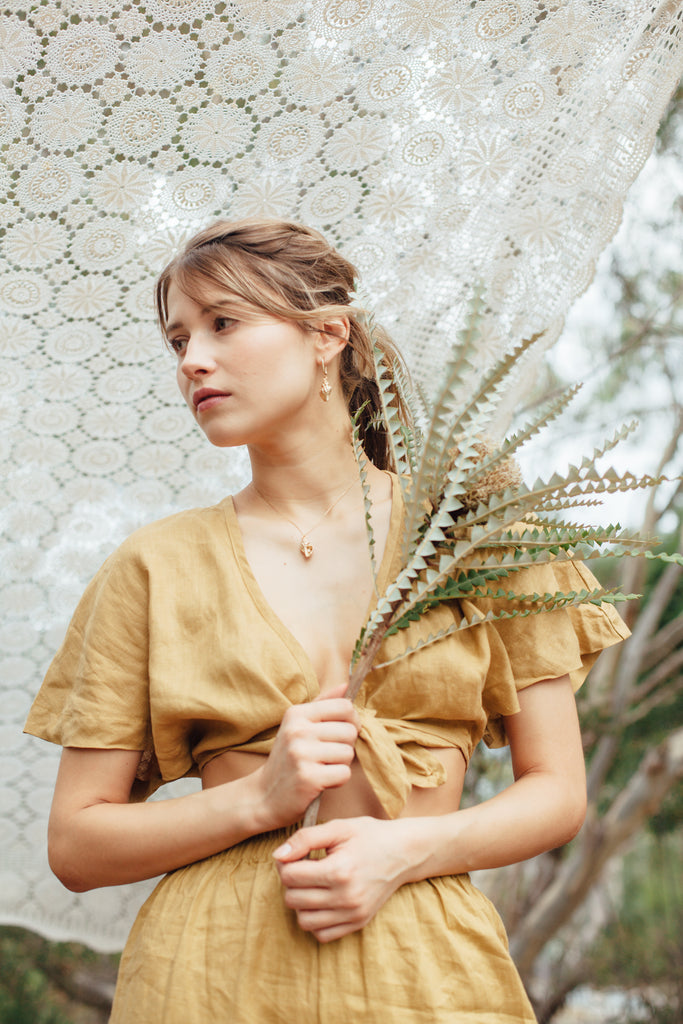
x=252, y=585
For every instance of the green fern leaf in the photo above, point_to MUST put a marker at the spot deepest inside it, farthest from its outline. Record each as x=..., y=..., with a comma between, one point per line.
x=526, y=604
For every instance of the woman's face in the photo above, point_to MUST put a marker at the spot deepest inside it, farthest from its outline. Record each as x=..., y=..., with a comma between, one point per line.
x=247, y=377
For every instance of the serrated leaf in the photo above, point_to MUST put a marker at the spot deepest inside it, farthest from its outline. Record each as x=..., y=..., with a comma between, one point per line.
x=533, y=604
x=362, y=462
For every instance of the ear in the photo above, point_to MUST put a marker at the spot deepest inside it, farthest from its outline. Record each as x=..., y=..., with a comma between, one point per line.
x=332, y=337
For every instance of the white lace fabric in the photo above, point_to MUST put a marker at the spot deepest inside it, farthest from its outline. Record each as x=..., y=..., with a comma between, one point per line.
x=442, y=145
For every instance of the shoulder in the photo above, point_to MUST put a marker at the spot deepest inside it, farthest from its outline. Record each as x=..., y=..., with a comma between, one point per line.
x=189, y=526
x=169, y=541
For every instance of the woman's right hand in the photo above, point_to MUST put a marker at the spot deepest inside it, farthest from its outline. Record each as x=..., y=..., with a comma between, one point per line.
x=313, y=751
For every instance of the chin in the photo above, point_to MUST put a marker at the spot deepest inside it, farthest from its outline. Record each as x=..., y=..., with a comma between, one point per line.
x=222, y=435
x=221, y=440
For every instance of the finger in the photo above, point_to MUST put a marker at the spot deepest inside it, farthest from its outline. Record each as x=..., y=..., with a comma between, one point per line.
x=330, y=709
x=318, y=920
x=332, y=753
x=335, y=691
x=327, y=926
x=336, y=732
x=302, y=874
x=317, y=837
x=332, y=776
x=324, y=935
x=310, y=899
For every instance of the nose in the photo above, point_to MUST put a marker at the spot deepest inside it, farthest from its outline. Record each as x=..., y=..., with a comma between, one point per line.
x=198, y=358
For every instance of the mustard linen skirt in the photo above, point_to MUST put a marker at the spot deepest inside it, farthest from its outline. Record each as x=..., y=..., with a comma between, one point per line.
x=215, y=944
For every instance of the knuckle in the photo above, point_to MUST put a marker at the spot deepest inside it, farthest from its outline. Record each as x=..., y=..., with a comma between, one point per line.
x=341, y=876
x=307, y=786
x=290, y=717
x=298, y=748
x=355, y=903
x=297, y=732
x=308, y=774
x=295, y=722
x=337, y=775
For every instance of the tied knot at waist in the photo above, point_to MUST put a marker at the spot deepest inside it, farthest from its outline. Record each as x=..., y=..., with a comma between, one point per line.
x=394, y=758
x=393, y=753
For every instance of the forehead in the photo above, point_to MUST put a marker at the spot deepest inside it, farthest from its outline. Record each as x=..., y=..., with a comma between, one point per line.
x=206, y=299
x=197, y=292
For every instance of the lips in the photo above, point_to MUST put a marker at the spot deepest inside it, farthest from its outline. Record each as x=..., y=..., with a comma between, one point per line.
x=204, y=398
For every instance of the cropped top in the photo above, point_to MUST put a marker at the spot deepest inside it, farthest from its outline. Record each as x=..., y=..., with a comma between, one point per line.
x=174, y=651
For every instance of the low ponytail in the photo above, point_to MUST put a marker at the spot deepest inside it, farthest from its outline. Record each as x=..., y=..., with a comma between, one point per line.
x=359, y=384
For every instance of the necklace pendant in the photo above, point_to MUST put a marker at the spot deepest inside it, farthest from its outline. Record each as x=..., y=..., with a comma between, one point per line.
x=306, y=548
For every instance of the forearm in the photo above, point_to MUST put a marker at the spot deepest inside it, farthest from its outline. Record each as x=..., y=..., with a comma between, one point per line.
x=539, y=812
x=368, y=858
x=96, y=837
x=111, y=843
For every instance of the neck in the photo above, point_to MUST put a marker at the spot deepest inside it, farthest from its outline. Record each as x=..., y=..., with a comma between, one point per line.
x=311, y=473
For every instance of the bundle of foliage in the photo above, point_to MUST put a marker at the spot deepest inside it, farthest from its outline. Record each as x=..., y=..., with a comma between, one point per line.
x=470, y=523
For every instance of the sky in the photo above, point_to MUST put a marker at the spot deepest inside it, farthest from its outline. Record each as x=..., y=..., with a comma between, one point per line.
x=648, y=242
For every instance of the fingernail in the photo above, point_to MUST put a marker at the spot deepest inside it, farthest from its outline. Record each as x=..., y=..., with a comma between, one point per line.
x=282, y=851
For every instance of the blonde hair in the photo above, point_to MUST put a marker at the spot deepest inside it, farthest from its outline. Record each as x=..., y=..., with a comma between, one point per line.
x=291, y=272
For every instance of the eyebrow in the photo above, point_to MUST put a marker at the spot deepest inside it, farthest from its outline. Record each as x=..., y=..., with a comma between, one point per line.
x=214, y=307
x=178, y=323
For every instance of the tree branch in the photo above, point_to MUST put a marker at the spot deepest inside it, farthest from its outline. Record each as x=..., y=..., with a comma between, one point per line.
x=666, y=640
x=599, y=840
x=667, y=668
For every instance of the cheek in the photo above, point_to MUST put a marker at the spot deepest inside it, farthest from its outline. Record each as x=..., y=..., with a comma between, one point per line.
x=182, y=382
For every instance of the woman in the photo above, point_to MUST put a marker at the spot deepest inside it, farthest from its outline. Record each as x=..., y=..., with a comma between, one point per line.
x=217, y=642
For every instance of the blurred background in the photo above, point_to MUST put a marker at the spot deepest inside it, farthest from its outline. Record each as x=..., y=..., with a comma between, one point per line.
x=596, y=928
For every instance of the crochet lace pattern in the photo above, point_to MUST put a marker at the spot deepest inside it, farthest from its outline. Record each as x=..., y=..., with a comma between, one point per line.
x=440, y=144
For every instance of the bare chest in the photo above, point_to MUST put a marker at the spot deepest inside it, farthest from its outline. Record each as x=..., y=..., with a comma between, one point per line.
x=324, y=600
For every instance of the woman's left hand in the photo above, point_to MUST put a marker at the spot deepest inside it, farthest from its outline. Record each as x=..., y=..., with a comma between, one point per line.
x=338, y=894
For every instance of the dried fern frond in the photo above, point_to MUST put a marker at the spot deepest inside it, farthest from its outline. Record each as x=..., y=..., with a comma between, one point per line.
x=362, y=460
x=470, y=521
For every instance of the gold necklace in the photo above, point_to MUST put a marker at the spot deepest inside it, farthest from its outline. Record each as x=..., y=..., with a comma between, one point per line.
x=305, y=546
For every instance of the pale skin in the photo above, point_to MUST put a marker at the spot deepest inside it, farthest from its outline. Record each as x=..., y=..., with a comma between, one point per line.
x=267, y=374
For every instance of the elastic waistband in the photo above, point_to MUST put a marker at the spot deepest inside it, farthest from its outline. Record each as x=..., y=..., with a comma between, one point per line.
x=259, y=847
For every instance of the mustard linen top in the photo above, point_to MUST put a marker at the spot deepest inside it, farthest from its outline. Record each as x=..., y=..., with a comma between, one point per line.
x=174, y=651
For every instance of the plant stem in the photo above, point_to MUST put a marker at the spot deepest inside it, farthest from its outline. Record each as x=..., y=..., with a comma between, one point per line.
x=358, y=674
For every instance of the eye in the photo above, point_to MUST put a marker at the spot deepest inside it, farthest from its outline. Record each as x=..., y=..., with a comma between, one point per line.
x=177, y=345
x=222, y=323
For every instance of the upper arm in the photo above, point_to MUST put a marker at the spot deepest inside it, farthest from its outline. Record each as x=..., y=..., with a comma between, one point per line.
x=90, y=776
x=545, y=737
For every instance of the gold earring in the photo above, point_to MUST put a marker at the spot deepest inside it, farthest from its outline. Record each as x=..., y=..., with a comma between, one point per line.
x=325, y=389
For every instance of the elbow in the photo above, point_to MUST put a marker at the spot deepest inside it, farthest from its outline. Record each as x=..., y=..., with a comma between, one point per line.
x=69, y=875
x=66, y=865
x=574, y=808
x=74, y=884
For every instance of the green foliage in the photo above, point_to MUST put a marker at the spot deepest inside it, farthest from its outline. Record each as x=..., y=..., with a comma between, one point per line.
x=469, y=523
x=469, y=520
x=35, y=976
x=648, y=730
x=643, y=948
x=24, y=984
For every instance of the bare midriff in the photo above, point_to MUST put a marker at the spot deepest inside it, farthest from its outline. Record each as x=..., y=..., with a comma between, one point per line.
x=356, y=798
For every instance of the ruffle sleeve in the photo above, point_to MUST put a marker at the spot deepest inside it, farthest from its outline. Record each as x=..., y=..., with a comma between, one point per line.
x=96, y=690
x=545, y=645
